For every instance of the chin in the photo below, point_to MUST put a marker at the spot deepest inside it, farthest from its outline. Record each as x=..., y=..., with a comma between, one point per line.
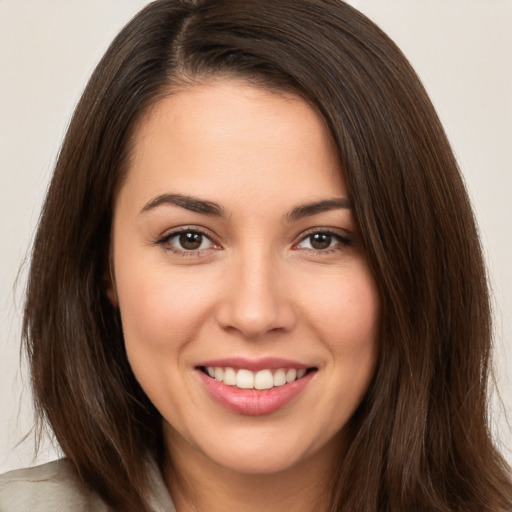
x=270, y=462
x=267, y=453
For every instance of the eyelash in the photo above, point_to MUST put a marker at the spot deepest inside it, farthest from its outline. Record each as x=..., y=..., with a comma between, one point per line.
x=343, y=241
x=164, y=241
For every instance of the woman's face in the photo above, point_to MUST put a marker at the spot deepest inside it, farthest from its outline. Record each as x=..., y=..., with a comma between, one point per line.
x=249, y=313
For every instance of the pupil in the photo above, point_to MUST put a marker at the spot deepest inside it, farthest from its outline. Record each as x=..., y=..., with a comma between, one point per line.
x=191, y=241
x=320, y=241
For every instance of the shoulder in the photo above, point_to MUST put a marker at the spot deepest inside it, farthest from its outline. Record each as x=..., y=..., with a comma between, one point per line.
x=52, y=487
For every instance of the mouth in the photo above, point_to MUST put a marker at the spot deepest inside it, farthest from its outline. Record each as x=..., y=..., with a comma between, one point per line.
x=267, y=378
x=263, y=388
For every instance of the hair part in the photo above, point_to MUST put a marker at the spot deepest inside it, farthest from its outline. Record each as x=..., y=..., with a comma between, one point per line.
x=420, y=438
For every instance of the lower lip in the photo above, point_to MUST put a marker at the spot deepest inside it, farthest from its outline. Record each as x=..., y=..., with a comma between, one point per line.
x=253, y=402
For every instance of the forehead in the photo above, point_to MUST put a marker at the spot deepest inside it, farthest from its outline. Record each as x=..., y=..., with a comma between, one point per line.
x=228, y=136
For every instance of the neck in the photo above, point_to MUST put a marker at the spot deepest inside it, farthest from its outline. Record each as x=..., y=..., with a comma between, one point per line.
x=198, y=484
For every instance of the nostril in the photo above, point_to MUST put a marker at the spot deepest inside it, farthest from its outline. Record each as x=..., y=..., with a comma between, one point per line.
x=253, y=311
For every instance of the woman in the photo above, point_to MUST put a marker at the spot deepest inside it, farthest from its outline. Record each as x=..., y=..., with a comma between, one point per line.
x=248, y=289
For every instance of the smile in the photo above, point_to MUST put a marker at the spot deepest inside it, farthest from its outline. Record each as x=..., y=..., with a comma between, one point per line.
x=254, y=388
x=247, y=379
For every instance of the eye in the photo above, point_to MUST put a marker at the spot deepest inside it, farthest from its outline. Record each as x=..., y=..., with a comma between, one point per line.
x=187, y=240
x=323, y=241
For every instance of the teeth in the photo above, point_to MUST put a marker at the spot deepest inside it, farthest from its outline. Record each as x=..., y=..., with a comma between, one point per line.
x=279, y=377
x=229, y=377
x=291, y=375
x=245, y=379
x=219, y=374
x=264, y=380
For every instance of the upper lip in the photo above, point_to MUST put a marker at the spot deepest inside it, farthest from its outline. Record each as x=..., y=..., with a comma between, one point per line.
x=265, y=363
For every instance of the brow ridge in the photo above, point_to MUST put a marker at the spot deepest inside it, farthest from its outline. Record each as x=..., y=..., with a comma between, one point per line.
x=307, y=210
x=202, y=206
x=190, y=203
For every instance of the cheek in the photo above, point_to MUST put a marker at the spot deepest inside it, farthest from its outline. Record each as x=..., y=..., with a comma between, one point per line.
x=159, y=305
x=352, y=338
x=346, y=311
x=149, y=327
x=346, y=318
x=161, y=314
x=147, y=309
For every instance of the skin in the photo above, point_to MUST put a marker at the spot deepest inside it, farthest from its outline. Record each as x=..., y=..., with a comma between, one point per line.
x=257, y=287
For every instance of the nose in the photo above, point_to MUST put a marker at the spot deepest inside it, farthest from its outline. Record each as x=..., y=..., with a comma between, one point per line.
x=256, y=299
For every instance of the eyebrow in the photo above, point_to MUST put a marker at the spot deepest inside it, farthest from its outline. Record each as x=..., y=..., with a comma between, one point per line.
x=190, y=203
x=307, y=210
x=197, y=205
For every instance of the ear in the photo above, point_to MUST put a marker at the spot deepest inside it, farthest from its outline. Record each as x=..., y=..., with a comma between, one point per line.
x=111, y=295
x=110, y=283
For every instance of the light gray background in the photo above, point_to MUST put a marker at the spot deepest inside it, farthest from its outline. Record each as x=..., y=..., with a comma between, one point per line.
x=460, y=48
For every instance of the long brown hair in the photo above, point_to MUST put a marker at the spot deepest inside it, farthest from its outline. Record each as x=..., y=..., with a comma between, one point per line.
x=421, y=438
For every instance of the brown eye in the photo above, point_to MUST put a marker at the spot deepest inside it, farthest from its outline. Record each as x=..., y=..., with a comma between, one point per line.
x=190, y=241
x=323, y=242
x=320, y=241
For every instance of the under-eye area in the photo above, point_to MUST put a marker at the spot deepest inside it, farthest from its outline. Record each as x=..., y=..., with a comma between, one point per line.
x=262, y=379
